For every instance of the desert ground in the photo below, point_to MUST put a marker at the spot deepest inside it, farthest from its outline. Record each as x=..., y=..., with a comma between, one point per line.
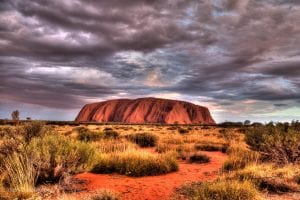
x=116, y=161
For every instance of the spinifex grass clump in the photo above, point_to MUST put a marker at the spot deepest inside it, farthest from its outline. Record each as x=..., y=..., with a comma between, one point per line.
x=113, y=145
x=271, y=177
x=220, y=190
x=136, y=163
x=21, y=173
x=239, y=157
x=57, y=154
x=143, y=139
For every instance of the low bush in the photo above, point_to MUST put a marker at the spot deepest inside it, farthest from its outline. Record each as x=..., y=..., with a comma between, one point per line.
x=143, y=139
x=110, y=134
x=208, y=147
x=104, y=194
x=56, y=155
x=136, y=163
x=33, y=129
x=220, y=190
x=87, y=135
x=107, y=129
x=183, y=130
x=199, y=158
x=279, y=144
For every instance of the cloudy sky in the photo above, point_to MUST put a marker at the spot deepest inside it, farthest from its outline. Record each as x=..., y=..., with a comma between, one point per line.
x=240, y=58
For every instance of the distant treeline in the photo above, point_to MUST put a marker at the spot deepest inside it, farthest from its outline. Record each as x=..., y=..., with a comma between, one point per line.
x=222, y=125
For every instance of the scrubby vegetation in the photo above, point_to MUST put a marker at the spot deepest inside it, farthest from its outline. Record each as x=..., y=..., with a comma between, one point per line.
x=271, y=177
x=260, y=157
x=87, y=135
x=136, y=163
x=55, y=155
x=239, y=157
x=143, y=139
x=220, y=190
x=21, y=173
x=277, y=143
x=103, y=194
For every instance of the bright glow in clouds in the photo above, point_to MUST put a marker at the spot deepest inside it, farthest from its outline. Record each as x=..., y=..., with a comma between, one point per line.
x=77, y=75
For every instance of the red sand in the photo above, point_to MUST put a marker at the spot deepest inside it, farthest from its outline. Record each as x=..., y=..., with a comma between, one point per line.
x=155, y=187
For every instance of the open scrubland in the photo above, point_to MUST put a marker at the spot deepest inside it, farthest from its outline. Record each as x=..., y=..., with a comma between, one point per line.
x=109, y=161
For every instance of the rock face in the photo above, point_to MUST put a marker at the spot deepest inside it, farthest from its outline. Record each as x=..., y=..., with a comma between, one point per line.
x=145, y=110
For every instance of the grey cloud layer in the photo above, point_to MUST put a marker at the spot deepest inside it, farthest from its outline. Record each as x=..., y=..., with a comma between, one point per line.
x=227, y=50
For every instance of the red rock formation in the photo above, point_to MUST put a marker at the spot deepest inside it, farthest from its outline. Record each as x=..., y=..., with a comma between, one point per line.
x=145, y=110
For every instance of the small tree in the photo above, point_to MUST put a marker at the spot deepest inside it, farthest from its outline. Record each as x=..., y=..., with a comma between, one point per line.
x=15, y=115
x=247, y=122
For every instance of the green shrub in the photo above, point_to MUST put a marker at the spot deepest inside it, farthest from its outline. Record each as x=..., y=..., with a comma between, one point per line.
x=103, y=194
x=33, y=129
x=279, y=144
x=87, y=135
x=56, y=154
x=199, y=158
x=220, y=190
x=110, y=134
x=135, y=163
x=143, y=139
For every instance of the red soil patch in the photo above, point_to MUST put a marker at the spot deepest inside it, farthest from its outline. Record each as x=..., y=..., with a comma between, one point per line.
x=155, y=187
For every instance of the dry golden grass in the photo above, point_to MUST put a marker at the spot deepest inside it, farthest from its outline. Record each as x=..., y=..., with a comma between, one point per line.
x=125, y=157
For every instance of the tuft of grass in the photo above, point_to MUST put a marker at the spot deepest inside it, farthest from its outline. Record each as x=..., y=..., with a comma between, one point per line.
x=239, y=157
x=143, y=139
x=220, y=190
x=136, y=163
x=21, y=173
x=104, y=194
x=113, y=145
x=199, y=158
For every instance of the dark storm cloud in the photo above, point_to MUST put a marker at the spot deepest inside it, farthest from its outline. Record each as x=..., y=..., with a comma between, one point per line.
x=65, y=53
x=280, y=104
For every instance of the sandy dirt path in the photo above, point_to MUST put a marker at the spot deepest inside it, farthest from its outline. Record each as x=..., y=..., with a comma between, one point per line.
x=155, y=187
